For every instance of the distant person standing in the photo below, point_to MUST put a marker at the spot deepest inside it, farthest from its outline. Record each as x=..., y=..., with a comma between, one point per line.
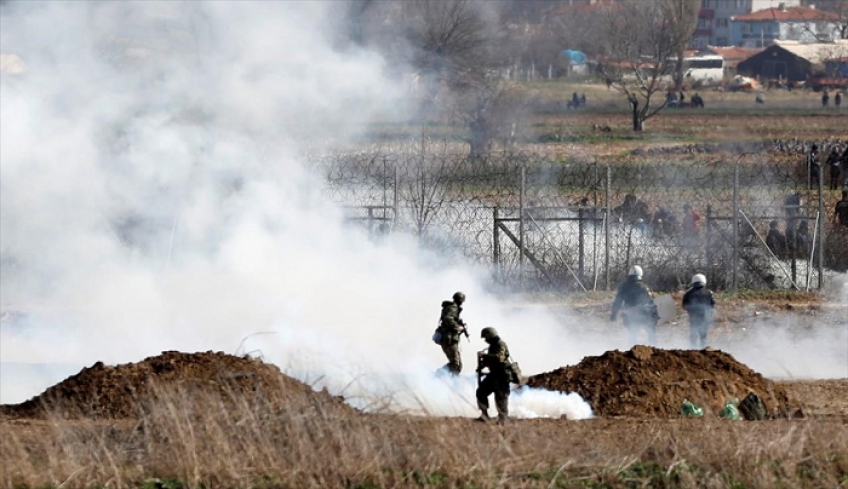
x=802, y=236
x=834, y=161
x=775, y=240
x=814, y=167
x=792, y=206
x=691, y=222
x=837, y=99
x=840, y=212
x=639, y=312
x=825, y=98
x=845, y=167
x=699, y=303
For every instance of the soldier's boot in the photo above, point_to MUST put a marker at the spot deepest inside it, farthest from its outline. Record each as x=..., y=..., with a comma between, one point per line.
x=484, y=417
x=502, y=419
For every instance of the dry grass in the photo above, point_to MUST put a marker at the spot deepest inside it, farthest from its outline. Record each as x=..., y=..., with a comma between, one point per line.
x=198, y=442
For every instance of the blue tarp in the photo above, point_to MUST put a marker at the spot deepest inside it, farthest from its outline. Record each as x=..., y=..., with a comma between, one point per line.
x=576, y=57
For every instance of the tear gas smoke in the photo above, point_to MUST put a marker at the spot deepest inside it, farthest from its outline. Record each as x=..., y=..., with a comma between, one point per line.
x=153, y=199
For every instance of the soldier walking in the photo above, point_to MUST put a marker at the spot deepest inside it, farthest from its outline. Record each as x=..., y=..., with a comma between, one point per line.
x=639, y=312
x=451, y=326
x=496, y=381
x=699, y=303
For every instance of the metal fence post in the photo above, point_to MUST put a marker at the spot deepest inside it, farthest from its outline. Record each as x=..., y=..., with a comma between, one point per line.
x=607, y=216
x=820, y=261
x=580, y=246
x=395, y=196
x=496, y=242
x=521, y=227
x=708, y=251
x=735, y=268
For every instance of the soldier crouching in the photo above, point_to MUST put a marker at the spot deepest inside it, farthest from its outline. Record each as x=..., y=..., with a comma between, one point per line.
x=496, y=381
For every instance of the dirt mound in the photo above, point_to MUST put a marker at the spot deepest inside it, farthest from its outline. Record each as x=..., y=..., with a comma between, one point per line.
x=651, y=382
x=124, y=391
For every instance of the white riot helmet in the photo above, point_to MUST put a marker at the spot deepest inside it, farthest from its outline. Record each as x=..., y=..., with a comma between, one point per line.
x=699, y=279
x=635, y=270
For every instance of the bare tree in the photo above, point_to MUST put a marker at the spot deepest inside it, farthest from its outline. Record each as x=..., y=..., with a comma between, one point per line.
x=425, y=187
x=449, y=37
x=683, y=18
x=839, y=7
x=642, y=48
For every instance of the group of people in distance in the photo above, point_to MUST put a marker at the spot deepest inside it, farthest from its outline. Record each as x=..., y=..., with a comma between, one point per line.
x=837, y=162
x=663, y=222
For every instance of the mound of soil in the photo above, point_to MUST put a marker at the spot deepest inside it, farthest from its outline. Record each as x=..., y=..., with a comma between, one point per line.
x=125, y=391
x=651, y=382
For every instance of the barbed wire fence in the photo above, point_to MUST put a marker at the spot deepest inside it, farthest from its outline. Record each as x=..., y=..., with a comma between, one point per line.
x=540, y=223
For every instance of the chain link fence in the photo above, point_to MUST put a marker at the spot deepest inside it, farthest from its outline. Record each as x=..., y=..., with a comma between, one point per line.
x=541, y=223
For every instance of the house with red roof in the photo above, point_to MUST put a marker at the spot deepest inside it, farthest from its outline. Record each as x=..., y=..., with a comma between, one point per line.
x=802, y=24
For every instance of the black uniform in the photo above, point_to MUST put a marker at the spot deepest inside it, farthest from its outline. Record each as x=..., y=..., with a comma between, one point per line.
x=841, y=212
x=699, y=303
x=639, y=309
x=776, y=241
x=834, y=161
x=814, y=167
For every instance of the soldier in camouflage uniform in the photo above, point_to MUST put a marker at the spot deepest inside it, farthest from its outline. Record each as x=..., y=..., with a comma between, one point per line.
x=699, y=303
x=451, y=327
x=496, y=360
x=639, y=309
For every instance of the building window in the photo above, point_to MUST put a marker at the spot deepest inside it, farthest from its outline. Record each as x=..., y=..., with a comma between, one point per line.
x=721, y=41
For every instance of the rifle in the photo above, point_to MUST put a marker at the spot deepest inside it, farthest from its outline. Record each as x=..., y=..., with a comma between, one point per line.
x=465, y=331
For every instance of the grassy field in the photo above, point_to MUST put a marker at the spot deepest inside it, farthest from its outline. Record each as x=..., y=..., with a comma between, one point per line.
x=193, y=442
x=728, y=116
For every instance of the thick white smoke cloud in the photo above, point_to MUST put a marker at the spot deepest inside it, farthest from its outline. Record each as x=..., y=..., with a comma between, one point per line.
x=153, y=199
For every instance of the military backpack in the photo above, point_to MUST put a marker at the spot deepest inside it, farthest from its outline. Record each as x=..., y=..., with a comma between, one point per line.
x=753, y=408
x=513, y=371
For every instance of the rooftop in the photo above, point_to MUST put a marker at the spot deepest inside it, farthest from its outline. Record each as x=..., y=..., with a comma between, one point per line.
x=786, y=15
x=815, y=53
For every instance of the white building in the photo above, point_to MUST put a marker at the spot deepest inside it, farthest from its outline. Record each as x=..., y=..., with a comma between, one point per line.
x=714, y=20
x=802, y=24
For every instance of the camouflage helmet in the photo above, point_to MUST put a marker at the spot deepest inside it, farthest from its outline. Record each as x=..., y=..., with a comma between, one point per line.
x=489, y=333
x=459, y=297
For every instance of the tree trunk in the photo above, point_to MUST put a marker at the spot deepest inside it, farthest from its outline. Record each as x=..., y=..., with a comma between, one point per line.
x=678, y=70
x=637, y=114
x=480, y=140
x=638, y=122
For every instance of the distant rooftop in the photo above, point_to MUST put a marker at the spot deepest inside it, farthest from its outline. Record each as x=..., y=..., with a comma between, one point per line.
x=787, y=14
